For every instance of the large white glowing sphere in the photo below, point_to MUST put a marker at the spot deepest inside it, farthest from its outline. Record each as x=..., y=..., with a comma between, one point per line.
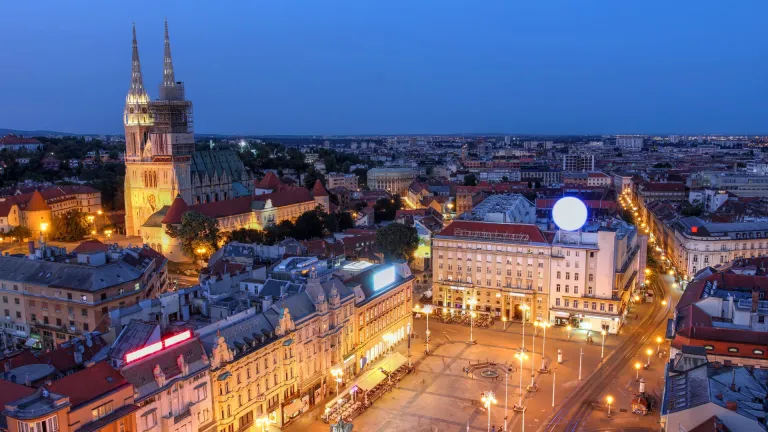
x=569, y=213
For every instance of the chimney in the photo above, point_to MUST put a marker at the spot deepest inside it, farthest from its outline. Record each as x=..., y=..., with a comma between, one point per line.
x=755, y=299
x=731, y=405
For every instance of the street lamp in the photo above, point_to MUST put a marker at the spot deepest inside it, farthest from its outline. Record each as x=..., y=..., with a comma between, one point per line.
x=262, y=423
x=658, y=343
x=99, y=212
x=663, y=302
x=532, y=387
x=602, y=348
x=543, y=325
x=520, y=356
x=569, y=328
x=427, y=310
x=649, y=352
x=637, y=370
x=524, y=308
x=337, y=372
x=504, y=320
x=489, y=398
x=506, y=392
x=471, y=302
x=609, y=399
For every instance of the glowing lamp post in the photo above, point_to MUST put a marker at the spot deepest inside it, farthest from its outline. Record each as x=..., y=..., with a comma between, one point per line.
x=544, y=325
x=504, y=321
x=609, y=399
x=649, y=352
x=337, y=372
x=426, y=310
x=532, y=386
x=602, y=348
x=658, y=343
x=520, y=356
x=471, y=302
x=489, y=398
x=569, y=328
x=637, y=370
x=524, y=308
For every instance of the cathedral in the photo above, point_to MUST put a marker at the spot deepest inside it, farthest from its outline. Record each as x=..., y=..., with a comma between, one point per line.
x=160, y=158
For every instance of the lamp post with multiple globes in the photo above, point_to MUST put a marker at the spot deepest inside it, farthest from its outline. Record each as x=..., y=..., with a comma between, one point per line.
x=520, y=356
x=544, y=325
x=524, y=308
x=489, y=398
x=471, y=303
x=337, y=372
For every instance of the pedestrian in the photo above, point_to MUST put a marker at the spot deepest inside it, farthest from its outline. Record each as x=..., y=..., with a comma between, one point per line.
x=493, y=429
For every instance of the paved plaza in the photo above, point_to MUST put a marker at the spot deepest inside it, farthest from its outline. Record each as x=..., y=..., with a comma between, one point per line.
x=441, y=396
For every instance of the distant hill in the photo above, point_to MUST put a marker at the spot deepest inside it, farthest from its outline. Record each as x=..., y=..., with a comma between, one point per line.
x=28, y=133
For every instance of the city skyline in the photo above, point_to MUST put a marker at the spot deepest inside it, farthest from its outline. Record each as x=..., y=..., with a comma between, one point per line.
x=388, y=70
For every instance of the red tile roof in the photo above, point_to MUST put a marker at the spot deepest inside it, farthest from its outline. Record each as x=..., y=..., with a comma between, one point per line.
x=286, y=195
x=177, y=210
x=532, y=231
x=90, y=246
x=318, y=189
x=89, y=383
x=5, y=207
x=10, y=392
x=663, y=187
x=217, y=209
x=269, y=181
x=37, y=202
x=63, y=357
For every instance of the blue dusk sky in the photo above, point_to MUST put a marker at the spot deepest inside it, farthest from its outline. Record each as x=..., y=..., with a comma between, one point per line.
x=395, y=66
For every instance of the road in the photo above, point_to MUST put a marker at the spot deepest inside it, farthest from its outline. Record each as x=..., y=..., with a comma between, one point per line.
x=573, y=412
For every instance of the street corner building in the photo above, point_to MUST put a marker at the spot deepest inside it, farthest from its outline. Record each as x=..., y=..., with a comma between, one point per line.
x=517, y=271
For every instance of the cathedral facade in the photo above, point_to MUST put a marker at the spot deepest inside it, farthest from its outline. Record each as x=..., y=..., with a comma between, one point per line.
x=160, y=157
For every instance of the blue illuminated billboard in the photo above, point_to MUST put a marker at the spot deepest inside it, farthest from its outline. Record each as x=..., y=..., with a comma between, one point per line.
x=384, y=278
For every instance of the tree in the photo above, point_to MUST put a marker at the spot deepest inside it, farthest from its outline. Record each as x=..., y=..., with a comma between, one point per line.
x=470, y=180
x=312, y=176
x=692, y=210
x=663, y=165
x=504, y=179
x=309, y=225
x=247, y=235
x=538, y=184
x=330, y=223
x=70, y=226
x=197, y=232
x=386, y=209
x=20, y=233
x=345, y=221
x=397, y=241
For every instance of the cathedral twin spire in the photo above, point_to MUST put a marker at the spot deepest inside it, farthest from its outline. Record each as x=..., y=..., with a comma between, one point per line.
x=137, y=91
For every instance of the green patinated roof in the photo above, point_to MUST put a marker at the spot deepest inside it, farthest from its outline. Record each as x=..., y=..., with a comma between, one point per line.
x=218, y=162
x=154, y=221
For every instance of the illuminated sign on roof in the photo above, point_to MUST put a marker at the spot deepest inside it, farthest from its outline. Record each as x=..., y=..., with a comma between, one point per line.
x=158, y=346
x=384, y=278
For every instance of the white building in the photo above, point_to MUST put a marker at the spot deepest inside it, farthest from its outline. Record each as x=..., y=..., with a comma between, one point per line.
x=578, y=162
x=629, y=142
x=393, y=180
x=172, y=385
x=504, y=208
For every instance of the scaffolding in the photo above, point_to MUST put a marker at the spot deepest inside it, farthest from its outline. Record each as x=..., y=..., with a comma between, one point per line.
x=175, y=117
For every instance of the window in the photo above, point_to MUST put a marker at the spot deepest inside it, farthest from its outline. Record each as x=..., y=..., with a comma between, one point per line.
x=733, y=349
x=150, y=419
x=557, y=287
x=102, y=410
x=567, y=275
x=50, y=424
x=567, y=303
x=575, y=276
x=202, y=392
x=758, y=352
x=591, y=278
x=557, y=301
x=558, y=275
x=576, y=303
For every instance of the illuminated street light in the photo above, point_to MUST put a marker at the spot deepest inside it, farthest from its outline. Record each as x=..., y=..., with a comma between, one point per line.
x=569, y=328
x=471, y=302
x=609, y=399
x=602, y=349
x=524, y=308
x=658, y=343
x=489, y=398
x=649, y=352
x=99, y=212
x=504, y=320
x=426, y=310
x=637, y=370
x=520, y=356
x=337, y=373
x=43, y=227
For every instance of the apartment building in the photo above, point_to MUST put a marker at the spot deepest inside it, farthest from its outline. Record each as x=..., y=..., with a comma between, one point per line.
x=46, y=303
x=392, y=180
x=347, y=181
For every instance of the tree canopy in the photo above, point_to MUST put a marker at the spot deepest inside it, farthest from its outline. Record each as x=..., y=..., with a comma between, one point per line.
x=197, y=232
x=470, y=180
x=70, y=226
x=386, y=209
x=397, y=241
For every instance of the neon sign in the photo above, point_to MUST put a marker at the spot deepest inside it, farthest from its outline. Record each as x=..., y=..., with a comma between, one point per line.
x=158, y=346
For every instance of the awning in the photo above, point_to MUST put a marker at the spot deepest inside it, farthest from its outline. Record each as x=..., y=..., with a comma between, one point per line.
x=30, y=342
x=293, y=408
x=375, y=376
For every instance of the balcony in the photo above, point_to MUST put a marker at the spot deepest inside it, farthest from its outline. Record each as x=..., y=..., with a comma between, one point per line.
x=182, y=415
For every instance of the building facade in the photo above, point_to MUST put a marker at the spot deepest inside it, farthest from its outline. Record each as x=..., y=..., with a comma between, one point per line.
x=578, y=162
x=392, y=180
x=47, y=303
x=347, y=181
